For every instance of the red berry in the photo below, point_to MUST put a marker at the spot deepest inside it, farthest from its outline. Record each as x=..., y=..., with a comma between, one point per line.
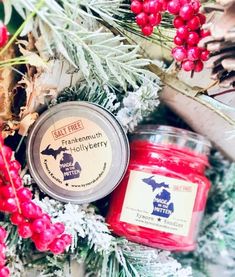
x=193, y=38
x=178, y=22
x=136, y=7
x=35, y=237
x=16, y=218
x=57, y=246
x=24, y=194
x=146, y=7
x=164, y=4
x=198, y=66
x=14, y=175
x=4, y=272
x=59, y=227
x=147, y=30
x=188, y=65
x=141, y=19
x=183, y=2
x=3, y=234
x=187, y=12
x=54, y=231
x=202, y=18
x=42, y=247
x=2, y=205
x=15, y=165
x=18, y=182
x=38, y=211
x=67, y=239
x=10, y=205
x=7, y=191
x=47, y=219
x=46, y=236
x=29, y=210
x=173, y=7
x=194, y=23
x=182, y=32
x=179, y=53
x=178, y=41
x=38, y=225
x=204, y=33
x=154, y=19
x=158, y=6
x=154, y=6
x=3, y=34
x=205, y=54
x=24, y=230
x=196, y=5
x=193, y=53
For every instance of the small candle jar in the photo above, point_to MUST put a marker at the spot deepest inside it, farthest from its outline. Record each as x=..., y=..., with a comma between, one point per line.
x=161, y=200
x=77, y=152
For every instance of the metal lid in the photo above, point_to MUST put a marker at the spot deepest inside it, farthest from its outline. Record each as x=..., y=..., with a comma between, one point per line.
x=77, y=152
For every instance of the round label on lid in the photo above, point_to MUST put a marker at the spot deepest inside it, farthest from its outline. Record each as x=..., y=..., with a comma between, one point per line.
x=77, y=152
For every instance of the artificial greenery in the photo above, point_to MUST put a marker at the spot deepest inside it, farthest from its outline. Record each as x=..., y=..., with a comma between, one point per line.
x=75, y=35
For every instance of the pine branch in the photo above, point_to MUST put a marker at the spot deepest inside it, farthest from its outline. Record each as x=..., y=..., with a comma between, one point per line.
x=96, y=53
x=128, y=259
x=130, y=108
x=118, y=15
x=102, y=95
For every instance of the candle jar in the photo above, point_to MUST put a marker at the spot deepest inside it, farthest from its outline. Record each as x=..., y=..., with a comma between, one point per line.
x=161, y=200
x=77, y=152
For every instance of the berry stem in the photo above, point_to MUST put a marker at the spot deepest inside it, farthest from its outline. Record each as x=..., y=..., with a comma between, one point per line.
x=192, y=73
x=223, y=92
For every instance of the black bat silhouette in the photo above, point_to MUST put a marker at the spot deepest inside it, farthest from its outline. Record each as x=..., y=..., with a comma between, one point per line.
x=53, y=152
x=151, y=182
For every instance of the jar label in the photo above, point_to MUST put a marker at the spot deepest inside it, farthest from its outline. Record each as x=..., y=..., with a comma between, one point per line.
x=158, y=202
x=75, y=153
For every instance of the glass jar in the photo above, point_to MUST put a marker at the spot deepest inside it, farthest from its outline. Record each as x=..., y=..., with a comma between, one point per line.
x=161, y=200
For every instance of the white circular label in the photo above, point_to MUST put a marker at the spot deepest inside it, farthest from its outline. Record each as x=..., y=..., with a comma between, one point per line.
x=75, y=154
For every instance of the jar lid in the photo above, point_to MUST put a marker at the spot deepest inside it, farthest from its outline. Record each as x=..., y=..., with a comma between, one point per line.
x=163, y=134
x=77, y=152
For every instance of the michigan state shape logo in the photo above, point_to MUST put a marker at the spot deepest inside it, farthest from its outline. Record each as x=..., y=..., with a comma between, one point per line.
x=162, y=205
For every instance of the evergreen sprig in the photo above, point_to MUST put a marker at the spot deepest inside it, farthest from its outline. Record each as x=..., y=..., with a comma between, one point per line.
x=118, y=14
x=130, y=108
x=67, y=29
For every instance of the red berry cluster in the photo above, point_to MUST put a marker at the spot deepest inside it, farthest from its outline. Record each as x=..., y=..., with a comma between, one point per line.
x=3, y=34
x=148, y=14
x=188, y=22
x=25, y=214
x=4, y=271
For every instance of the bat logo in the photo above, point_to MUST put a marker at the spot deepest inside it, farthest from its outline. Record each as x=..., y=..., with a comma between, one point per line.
x=151, y=182
x=53, y=152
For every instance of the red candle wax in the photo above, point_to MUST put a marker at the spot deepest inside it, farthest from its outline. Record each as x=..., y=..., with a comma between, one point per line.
x=161, y=200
